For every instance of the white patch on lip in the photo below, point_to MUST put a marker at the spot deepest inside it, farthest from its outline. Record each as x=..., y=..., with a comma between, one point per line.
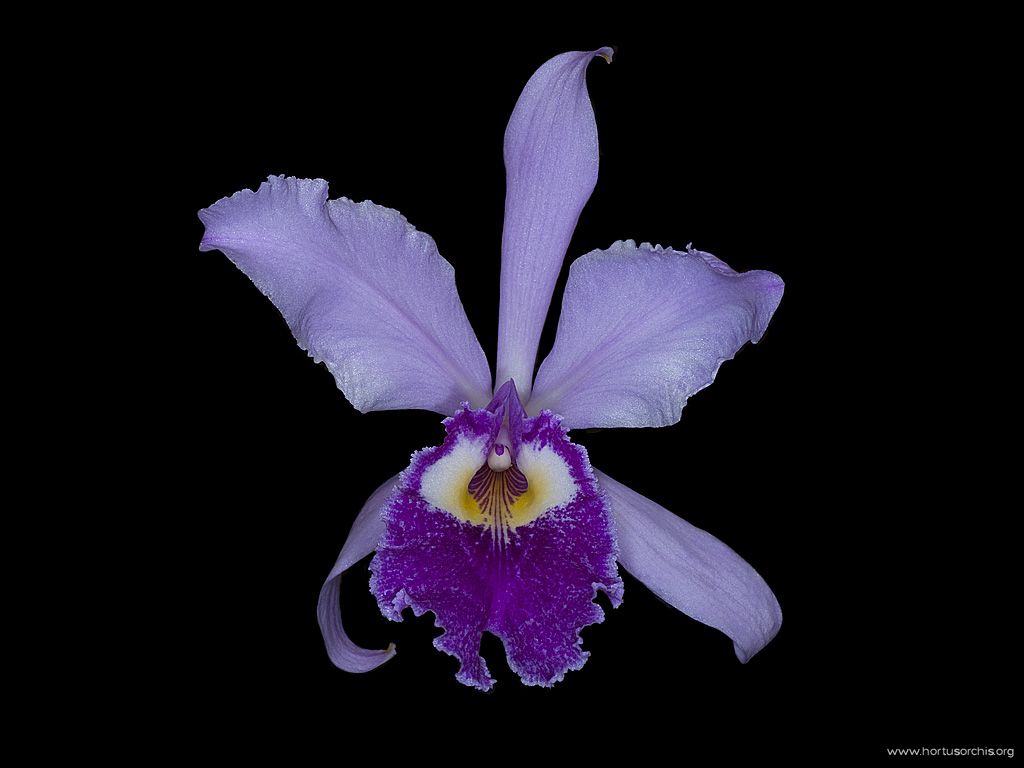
x=444, y=484
x=548, y=476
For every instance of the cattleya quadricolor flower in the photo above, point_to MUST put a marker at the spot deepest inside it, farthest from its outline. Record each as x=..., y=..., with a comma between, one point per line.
x=505, y=527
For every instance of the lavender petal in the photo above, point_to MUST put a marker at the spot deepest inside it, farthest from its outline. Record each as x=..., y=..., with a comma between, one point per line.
x=360, y=289
x=362, y=540
x=692, y=570
x=551, y=169
x=644, y=328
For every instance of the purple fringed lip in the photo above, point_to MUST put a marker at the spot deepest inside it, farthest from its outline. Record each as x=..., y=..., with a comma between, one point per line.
x=530, y=582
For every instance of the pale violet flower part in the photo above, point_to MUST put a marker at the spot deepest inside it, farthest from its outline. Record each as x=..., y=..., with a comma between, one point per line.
x=550, y=171
x=362, y=540
x=361, y=289
x=644, y=328
x=692, y=570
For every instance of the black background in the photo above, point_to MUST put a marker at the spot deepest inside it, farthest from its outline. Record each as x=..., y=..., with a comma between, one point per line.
x=896, y=626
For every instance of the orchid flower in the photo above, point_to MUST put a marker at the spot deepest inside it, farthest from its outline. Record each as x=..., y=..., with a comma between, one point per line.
x=505, y=527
